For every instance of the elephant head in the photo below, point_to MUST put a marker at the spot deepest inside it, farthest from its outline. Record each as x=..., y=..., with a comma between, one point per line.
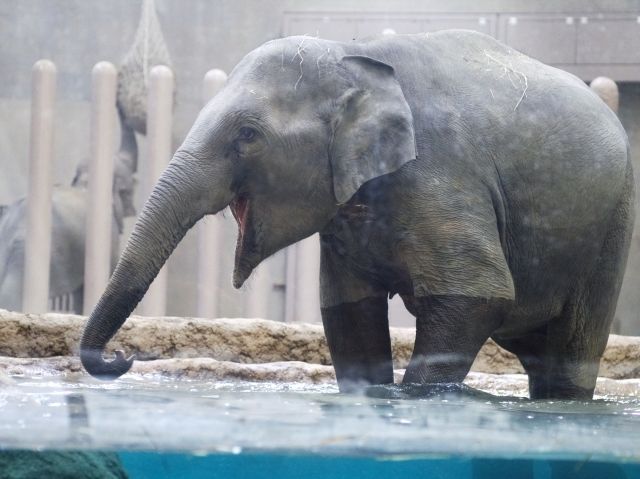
x=299, y=127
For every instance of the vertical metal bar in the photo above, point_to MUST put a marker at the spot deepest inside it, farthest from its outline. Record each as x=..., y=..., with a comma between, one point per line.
x=307, y=291
x=97, y=263
x=210, y=229
x=159, y=119
x=38, y=235
x=290, y=314
x=258, y=291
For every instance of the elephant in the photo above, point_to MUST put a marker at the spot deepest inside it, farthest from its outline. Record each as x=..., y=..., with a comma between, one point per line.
x=493, y=193
x=66, y=267
x=68, y=213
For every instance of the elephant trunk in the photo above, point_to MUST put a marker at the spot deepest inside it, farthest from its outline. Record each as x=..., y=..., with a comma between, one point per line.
x=177, y=202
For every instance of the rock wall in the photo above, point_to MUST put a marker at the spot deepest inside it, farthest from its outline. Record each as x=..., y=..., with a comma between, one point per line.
x=222, y=344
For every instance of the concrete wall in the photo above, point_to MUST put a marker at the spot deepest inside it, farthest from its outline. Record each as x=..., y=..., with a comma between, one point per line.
x=628, y=312
x=201, y=34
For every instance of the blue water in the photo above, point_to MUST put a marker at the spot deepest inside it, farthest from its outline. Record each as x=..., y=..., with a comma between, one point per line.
x=179, y=428
x=260, y=466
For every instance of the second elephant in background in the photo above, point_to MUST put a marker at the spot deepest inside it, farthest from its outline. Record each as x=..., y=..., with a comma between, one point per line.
x=68, y=216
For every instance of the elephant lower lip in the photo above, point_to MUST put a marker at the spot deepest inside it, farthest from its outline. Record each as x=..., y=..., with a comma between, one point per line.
x=244, y=265
x=240, y=275
x=240, y=210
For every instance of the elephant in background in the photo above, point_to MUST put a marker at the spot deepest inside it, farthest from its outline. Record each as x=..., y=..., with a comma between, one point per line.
x=68, y=209
x=493, y=193
x=68, y=212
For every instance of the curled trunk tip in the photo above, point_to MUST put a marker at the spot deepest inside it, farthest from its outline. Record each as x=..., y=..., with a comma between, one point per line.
x=95, y=364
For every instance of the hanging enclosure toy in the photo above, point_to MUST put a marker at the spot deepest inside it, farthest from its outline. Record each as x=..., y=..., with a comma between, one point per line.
x=148, y=50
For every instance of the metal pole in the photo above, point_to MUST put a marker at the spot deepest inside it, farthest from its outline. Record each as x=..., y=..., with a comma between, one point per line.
x=97, y=263
x=38, y=235
x=159, y=116
x=210, y=229
x=307, y=291
x=290, y=314
x=258, y=292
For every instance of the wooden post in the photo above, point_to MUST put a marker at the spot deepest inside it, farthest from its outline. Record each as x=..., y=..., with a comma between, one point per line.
x=607, y=89
x=99, y=219
x=159, y=125
x=210, y=229
x=303, y=281
x=38, y=235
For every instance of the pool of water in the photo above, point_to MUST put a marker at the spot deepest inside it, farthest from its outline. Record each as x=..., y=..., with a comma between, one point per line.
x=167, y=427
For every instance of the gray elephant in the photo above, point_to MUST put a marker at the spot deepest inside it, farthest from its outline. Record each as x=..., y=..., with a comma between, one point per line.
x=66, y=268
x=492, y=192
x=68, y=213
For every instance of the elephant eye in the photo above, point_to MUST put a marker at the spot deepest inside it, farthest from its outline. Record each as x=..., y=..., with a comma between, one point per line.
x=246, y=133
x=245, y=143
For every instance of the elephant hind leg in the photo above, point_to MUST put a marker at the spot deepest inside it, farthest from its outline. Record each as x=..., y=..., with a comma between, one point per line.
x=11, y=280
x=11, y=292
x=554, y=372
x=77, y=300
x=578, y=339
x=450, y=330
x=562, y=359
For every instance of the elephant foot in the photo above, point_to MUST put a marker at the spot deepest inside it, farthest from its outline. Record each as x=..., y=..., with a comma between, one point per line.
x=424, y=391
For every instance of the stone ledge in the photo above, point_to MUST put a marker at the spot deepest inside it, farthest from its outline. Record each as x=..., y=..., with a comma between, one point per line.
x=242, y=340
x=69, y=368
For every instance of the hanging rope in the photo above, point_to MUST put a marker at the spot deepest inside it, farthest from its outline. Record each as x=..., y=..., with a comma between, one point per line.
x=148, y=50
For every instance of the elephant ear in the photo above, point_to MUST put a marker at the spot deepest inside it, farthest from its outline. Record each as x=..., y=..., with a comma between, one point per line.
x=373, y=131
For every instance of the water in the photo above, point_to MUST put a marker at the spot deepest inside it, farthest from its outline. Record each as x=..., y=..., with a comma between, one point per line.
x=163, y=427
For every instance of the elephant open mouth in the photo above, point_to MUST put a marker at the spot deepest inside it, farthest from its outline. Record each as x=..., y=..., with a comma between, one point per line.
x=240, y=208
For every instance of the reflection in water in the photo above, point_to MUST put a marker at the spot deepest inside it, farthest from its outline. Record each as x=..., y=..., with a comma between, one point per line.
x=550, y=469
x=405, y=427
x=516, y=469
x=61, y=465
x=423, y=391
x=585, y=470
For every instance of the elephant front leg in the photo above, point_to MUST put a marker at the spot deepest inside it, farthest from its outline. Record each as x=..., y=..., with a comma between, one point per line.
x=450, y=330
x=359, y=341
x=354, y=315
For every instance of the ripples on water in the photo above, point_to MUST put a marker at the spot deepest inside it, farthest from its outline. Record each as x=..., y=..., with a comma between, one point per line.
x=235, y=426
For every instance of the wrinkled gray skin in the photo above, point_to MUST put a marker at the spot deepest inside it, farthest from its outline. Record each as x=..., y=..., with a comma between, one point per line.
x=492, y=192
x=68, y=213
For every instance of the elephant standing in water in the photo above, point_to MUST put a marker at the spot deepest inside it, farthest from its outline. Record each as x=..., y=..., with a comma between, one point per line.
x=493, y=193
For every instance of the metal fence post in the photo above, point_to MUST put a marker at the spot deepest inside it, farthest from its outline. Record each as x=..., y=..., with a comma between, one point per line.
x=97, y=265
x=210, y=229
x=303, y=281
x=159, y=120
x=258, y=290
x=38, y=236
